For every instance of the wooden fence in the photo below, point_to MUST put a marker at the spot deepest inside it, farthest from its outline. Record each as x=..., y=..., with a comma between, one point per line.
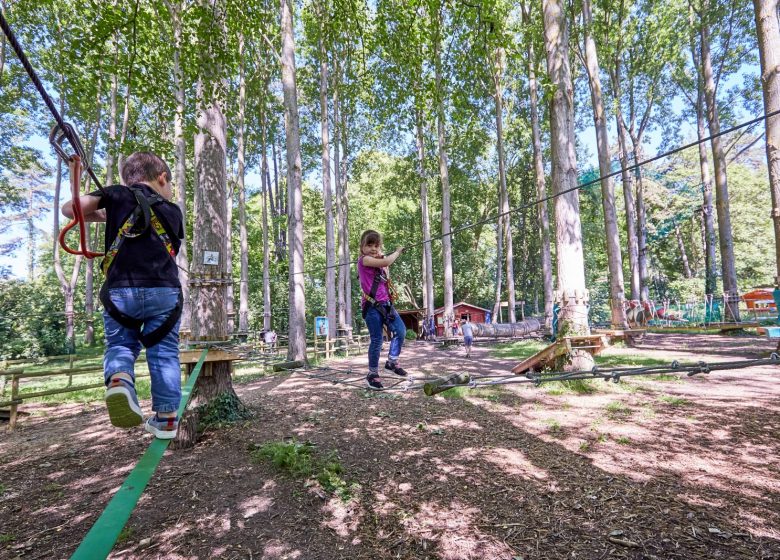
x=252, y=351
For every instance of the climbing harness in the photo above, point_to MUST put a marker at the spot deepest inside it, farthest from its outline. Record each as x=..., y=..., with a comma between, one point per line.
x=385, y=308
x=141, y=219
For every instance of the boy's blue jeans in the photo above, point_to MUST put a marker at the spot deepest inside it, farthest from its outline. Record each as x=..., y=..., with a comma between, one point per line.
x=152, y=305
x=375, y=324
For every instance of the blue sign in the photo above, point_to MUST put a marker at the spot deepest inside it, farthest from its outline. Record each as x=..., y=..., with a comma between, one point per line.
x=321, y=326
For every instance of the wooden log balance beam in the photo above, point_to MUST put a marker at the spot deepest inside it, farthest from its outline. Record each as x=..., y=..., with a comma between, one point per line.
x=546, y=357
x=440, y=385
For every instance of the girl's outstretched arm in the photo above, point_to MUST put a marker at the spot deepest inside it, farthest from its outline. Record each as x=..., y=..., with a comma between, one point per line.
x=387, y=260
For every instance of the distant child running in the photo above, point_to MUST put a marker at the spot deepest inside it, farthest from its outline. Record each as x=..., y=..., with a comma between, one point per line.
x=378, y=310
x=141, y=293
x=468, y=336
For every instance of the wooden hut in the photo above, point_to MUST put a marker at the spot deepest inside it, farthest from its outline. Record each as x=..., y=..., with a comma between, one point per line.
x=461, y=311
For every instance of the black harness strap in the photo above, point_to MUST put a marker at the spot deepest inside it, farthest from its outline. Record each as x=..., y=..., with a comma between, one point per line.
x=385, y=308
x=141, y=217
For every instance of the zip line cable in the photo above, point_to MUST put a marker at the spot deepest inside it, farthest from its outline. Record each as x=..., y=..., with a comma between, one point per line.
x=63, y=130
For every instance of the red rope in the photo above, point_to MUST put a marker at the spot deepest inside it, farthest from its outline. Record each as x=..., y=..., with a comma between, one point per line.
x=78, y=215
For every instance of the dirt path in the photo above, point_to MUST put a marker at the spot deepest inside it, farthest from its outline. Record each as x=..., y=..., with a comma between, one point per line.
x=648, y=468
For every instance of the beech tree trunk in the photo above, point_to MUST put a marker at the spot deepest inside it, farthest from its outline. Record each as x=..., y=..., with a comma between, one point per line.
x=768, y=31
x=708, y=215
x=499, y=269
x=297, y=312
x=573, y=317
x=427, y=264
x=628, y=194
x=541, y=191
x=641, y=226
x=266, y=186
x=683, y=253
x=180, y=165
x=504, y=194
x=446, y=228
x=330, y=241
x=614, y=257
x=726, y=241
x=345, y=225
x=343, y=254
x=243, y=289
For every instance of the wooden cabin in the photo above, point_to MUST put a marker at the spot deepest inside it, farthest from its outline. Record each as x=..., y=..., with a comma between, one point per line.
x=461, y=311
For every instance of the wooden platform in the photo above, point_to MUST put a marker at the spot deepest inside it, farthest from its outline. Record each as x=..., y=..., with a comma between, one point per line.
x=546, y=357
x=214, y=355
x=616, y=335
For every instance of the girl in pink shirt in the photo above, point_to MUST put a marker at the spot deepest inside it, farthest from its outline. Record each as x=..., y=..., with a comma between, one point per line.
x=378, y=310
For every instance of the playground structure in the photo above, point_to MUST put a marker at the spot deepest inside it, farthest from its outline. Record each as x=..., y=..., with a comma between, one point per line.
x=697, y=313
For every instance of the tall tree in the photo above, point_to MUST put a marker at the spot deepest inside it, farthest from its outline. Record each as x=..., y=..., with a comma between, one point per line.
x=297, y=313
x=243, y=289
x=498, y=70
x=767, y=13
x=330, y=241
x=539, y=176
x=573, y=316
x=614, y=257
x=725, y=238
x=446, y=226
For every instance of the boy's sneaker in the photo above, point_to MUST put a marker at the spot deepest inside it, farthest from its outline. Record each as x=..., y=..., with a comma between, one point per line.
x=395, y=368
x=374, y=382
x=162, y=428
x=122, y=403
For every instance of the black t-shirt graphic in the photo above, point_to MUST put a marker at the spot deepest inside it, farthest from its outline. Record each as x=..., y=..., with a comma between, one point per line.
x=143, y=261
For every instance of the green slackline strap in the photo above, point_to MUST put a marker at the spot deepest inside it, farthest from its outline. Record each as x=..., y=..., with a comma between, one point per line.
x=101, y=538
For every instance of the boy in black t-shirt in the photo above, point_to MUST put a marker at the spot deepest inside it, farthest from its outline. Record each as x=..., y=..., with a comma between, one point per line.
x=141, y=293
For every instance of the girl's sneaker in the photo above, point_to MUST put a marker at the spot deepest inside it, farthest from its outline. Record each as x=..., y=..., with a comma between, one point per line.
x=162, y=428
x=395, y=368
x=122, y=403
x=374, y=382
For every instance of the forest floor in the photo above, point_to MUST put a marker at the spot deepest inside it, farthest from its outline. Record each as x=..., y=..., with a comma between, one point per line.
x=652, y=467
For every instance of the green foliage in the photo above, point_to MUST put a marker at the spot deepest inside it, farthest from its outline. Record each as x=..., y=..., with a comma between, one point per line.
x=29, y=327
x=674, y=401
x=300, y=461
x=617, y=410
x=223, y=410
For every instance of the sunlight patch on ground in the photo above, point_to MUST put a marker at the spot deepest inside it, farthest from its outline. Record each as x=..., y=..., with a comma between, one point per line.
x=515, y=463
x=453, y=531
x=254, y=505
x=277, y=550
x=342, y=517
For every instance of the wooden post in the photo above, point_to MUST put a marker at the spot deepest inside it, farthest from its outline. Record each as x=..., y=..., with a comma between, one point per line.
x=14, y=405
x=315, y=344
x=70, y=367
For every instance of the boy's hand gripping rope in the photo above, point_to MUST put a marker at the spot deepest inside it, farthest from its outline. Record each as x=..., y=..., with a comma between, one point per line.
x=56, y=137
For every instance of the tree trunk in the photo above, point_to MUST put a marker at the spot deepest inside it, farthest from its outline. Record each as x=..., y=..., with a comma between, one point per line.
x=628, y=194
x=541, y=193
x=768, y=31
x=499, y=269
x=266, y=186
x=641, y=224
x=428, y=297
x=573, y=317
x=297, y=313
x=683, y=253
x=89, y=276
x=31, y=236
x=67, y=286
x=728, y=270
x=504, y=194
x=343, y=256
x=243, y=290
x=708, y=216
x=614, y=257
x=330, y=241
x=345, y=225
x=446, y=228
x=229, y=295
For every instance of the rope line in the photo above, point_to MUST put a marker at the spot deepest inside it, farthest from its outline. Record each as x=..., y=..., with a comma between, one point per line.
x=102, y=537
